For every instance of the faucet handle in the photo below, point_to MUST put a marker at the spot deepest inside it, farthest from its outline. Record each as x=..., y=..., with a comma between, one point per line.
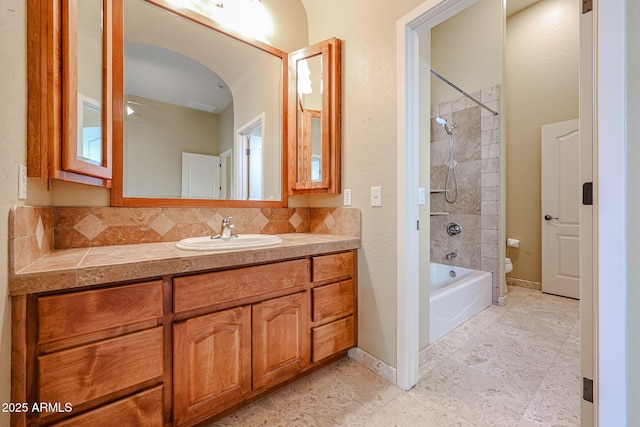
x=227, y=220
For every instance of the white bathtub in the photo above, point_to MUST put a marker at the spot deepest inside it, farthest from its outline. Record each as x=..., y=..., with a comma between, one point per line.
x=454, y=300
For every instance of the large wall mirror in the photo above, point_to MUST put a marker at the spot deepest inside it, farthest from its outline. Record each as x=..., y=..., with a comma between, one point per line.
x=201, y=116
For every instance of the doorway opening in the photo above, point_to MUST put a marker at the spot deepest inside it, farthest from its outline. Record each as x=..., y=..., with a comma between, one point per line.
x=602, y=71
x=250, y=160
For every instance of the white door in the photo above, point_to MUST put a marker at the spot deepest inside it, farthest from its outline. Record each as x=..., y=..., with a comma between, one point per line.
x=200, y=176
x=249, y=171
x=254, y=162
x=226, y=166
x=561, y=209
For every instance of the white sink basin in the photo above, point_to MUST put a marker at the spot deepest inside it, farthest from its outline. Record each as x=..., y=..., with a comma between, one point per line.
x=243, y=241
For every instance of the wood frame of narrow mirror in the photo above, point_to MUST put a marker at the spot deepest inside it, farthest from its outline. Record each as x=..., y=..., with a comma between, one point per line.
x=117, y=196
x=73, y=100
x=329, y=113
x=53, y=96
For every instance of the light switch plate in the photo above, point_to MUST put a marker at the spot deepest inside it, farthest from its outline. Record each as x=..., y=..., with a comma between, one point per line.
x=376, y=196
x=347, y=197
x=22, y=182
x=422, y=196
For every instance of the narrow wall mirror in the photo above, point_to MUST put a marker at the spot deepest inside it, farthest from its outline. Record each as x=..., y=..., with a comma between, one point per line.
x=315, y=118
x=202, y=115
x=86, y=97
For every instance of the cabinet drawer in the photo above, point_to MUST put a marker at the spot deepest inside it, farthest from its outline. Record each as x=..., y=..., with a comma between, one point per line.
x=332, y=267
x=84, y=373
x=73, y=314
x=333, y=301
x=220, y=287
x=142, y=409
x=333, y=337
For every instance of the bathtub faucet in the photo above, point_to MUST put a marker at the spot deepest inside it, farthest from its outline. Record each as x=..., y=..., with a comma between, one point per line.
x=452, y=255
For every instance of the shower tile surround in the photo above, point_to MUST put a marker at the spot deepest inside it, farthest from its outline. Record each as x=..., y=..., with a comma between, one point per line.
x=477, y=160
x=36, y=231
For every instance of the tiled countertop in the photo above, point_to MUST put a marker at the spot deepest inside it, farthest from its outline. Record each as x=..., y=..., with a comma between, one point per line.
x=72, y=268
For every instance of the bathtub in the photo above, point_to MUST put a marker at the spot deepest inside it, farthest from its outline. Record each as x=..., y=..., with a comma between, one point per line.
x=454, y=300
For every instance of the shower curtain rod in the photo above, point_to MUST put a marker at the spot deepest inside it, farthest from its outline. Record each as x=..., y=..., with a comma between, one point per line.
x=495, y=113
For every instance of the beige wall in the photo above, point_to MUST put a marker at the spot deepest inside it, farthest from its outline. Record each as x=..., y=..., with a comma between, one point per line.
x=226, y=134
x=13, y=149
x=90, y=49
x=368, y=29
x=467, y=50
x=154, y=146
x=633, y=212
x=541, y=87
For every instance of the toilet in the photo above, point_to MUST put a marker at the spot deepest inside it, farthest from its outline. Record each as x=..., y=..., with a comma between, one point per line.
x=508, y=267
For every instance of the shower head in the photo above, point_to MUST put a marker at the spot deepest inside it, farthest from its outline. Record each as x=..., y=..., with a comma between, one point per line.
x=447, y=129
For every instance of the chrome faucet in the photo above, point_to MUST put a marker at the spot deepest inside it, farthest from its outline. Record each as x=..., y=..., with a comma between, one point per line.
x=452, y=255
x=227, y=228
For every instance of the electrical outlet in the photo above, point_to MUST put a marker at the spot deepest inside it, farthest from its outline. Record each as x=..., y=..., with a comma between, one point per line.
x=22, y=182
x=376, y=196
x=347, y=197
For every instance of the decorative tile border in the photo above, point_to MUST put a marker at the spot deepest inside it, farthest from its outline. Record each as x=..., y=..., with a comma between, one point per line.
x=106, y=226
x=35, y=231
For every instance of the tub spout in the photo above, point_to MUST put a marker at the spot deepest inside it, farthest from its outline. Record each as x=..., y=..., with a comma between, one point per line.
x=452, y=255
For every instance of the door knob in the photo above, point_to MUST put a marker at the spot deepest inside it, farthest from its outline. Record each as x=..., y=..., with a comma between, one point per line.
x=549, y=217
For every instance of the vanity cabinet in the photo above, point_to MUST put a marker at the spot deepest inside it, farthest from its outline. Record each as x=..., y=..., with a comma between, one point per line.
x=212, y=363
x=181, y=349
x=222, y=358
x=280, y=339
x=99, y=353
x=334, y=304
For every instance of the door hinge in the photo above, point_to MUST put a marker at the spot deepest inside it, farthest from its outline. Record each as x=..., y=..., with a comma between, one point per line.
x=587, y=193
x=247, y=151
x=587, y=389
x=587, y=6
x=418, y=225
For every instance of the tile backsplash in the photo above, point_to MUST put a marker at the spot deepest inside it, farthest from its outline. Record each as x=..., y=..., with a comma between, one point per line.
x=31, y=231
x=35, y=231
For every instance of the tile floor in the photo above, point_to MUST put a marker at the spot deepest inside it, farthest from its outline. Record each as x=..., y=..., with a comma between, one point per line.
x=516, y=365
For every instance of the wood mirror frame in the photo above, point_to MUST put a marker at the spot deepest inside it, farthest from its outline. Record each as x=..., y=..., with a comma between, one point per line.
x=72, y=95
x=328, y=109
x=52, y=96
x=117, y=196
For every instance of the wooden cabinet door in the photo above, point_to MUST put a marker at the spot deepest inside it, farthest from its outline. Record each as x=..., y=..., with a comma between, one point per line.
x=280, y=339
x=211, y=363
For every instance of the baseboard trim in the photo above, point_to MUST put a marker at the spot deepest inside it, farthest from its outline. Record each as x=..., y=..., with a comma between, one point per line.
x=374, y=364
x=524, y=283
